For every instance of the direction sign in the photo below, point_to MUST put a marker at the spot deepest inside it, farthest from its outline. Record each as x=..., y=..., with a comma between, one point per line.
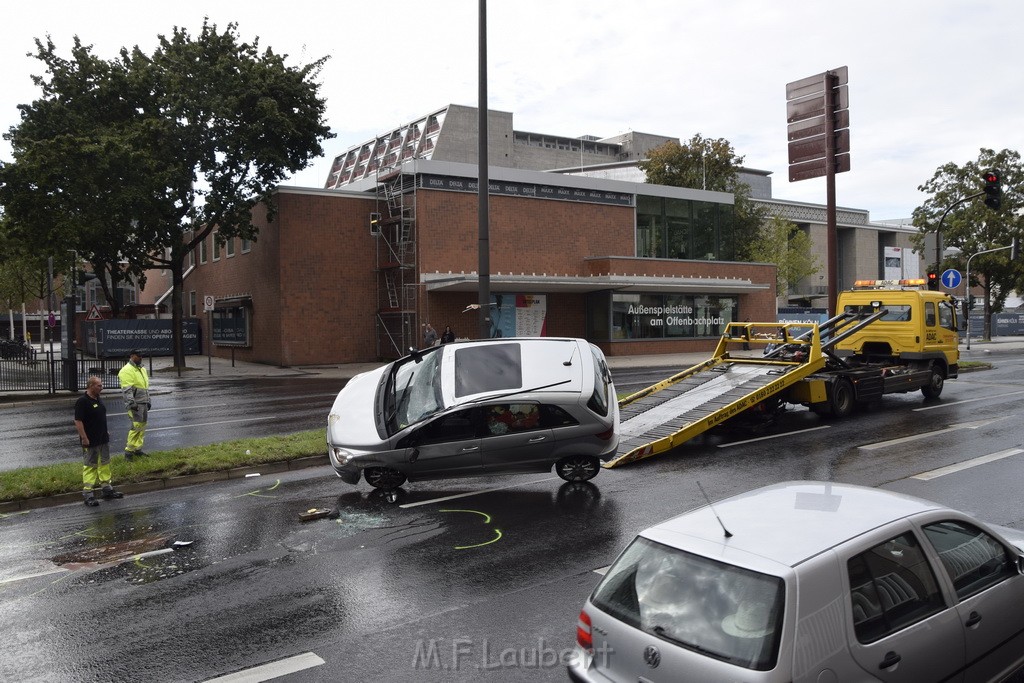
x=816, y=83
x=951, y=278
x=814, y=148
x=808, y=128
x=816, y=168
x=809, y=107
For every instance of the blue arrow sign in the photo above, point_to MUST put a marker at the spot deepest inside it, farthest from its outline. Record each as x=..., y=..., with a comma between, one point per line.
x=951, y=278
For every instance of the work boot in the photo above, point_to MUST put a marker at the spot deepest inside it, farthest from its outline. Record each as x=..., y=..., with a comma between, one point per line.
x=141, y=454
x=129, y=456
x=110, y=494
x=91, y=502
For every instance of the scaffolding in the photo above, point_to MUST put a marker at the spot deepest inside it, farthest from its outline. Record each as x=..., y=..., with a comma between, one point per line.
x=397, y=331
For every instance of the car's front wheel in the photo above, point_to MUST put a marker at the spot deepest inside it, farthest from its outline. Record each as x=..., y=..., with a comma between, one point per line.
x=578, y=467
x=383, y=477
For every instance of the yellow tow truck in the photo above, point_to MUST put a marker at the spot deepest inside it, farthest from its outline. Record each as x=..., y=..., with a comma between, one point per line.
x=889, y=336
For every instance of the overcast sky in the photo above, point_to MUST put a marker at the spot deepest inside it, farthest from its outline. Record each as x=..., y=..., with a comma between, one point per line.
x=931, y=81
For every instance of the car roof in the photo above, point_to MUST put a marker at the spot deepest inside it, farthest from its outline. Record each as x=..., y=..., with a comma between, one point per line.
x=544, y=361
x=789, y=522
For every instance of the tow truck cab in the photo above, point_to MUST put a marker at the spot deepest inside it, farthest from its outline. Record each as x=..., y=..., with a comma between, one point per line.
x=919, y=328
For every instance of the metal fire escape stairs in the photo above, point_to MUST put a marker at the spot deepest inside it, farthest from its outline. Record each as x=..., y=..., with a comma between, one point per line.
x=396, y=264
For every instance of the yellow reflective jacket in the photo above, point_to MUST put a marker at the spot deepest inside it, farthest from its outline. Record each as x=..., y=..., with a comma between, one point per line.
x=134, y=385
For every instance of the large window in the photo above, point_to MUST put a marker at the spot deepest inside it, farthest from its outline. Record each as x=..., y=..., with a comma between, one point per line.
x=667, y=316
x=684, y=229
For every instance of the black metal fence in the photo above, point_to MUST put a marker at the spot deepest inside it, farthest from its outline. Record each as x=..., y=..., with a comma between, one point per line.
x=45, y=372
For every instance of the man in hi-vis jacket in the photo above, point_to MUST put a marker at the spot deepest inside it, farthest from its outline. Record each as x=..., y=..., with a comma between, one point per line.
x=135, y=390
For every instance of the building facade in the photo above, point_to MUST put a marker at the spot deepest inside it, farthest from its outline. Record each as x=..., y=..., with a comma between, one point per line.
x=578, y=246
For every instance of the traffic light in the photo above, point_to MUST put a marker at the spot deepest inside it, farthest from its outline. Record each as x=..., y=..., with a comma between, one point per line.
x=993, y=190
x=970, y=302
x=933, y=279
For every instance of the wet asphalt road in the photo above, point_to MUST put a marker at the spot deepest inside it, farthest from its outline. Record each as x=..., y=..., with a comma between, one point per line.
x=431, y=587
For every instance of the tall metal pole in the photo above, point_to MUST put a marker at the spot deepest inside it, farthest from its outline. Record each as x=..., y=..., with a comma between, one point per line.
x=484, y=267
x=832, y=236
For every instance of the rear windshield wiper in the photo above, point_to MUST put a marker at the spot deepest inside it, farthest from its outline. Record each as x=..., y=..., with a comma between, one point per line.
x=660, y=631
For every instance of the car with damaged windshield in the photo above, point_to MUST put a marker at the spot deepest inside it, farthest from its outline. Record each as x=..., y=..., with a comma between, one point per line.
x=809, y=582
x=493, y=406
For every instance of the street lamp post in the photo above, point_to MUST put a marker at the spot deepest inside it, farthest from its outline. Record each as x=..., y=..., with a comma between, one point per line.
x=968, y=280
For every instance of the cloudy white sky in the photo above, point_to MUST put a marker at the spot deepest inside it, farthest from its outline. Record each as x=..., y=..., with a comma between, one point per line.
x=931, y=81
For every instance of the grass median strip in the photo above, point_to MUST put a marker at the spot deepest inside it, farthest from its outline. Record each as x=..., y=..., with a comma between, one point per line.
x=49, y=480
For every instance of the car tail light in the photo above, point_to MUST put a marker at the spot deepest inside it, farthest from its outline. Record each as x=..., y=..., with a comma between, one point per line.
x=583, y=635
x=606, y=435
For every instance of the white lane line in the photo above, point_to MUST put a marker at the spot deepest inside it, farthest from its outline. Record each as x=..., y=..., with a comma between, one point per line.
x=266, y=672
x=967, y=464
x=208, y=424
x=473, y=493
x=967, y=400
x=773, y=436
x=926, y=435
x=23, y=577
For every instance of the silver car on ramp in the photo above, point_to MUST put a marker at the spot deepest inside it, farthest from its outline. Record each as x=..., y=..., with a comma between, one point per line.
x=477, y=407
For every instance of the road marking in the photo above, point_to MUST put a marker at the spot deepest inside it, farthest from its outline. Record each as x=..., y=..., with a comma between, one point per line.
x=23, y=577
x=473, y=493
x=266, y=672
x=926, y=435
x=967, y=400
x=208, y=424
x=773, y=436
x=967, y=464
x=602, y=570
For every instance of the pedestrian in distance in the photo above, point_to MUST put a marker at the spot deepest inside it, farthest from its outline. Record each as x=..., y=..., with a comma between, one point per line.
x=429, y=336
x=91, y=423
x=135, y=390
x=447, y=336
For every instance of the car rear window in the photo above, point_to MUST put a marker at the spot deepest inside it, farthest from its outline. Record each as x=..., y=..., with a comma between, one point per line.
x=717, y=609
x=491, y=367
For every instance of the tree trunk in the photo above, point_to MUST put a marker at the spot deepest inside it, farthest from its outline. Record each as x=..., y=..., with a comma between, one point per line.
x=177, y=282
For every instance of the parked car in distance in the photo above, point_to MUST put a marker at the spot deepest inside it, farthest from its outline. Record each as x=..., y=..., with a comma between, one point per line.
x=477, y=407
x=813, y=581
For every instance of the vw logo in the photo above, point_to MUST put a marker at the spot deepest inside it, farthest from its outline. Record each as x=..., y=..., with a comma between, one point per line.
x=652, y=656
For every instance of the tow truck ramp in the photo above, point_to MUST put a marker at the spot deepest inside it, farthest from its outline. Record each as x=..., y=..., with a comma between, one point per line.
x=691, y=402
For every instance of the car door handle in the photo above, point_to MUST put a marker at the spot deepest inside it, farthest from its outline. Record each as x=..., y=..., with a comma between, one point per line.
x=470, y=449
x=891, y=659
x=537, y=439
x=973, y=619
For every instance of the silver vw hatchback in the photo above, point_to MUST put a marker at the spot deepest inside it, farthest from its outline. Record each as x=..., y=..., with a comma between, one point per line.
x=477, y=407
x=809, y=581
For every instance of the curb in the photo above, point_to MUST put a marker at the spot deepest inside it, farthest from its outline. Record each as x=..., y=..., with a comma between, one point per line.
x=167, y=483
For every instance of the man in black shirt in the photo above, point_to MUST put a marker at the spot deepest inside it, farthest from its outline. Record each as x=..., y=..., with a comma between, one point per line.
x=91, y=423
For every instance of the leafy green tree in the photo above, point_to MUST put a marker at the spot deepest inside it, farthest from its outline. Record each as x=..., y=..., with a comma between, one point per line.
x=783, y=243
x=133, y=162
x=973, y=227
x=705, y=164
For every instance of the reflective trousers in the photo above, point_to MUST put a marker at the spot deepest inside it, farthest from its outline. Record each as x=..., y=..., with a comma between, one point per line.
x=96, y=469
x=139, y=415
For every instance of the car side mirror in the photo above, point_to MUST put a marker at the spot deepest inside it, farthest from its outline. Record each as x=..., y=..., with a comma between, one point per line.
x=1020, y=564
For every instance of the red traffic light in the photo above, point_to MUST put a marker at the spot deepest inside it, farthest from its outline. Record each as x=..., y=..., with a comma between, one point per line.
x=991, y=177
x=933, y=276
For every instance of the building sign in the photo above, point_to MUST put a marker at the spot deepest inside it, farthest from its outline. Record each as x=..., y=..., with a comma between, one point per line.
x=511, y=189
x=518, y=315
x=657, y=316
x=116, y=338
x=231, y=326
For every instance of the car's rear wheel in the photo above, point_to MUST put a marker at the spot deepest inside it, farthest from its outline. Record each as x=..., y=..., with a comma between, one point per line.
x=578, y=467
x=383, y=477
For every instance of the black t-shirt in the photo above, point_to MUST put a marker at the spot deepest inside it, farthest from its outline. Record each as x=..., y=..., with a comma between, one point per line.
x=93, y=415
